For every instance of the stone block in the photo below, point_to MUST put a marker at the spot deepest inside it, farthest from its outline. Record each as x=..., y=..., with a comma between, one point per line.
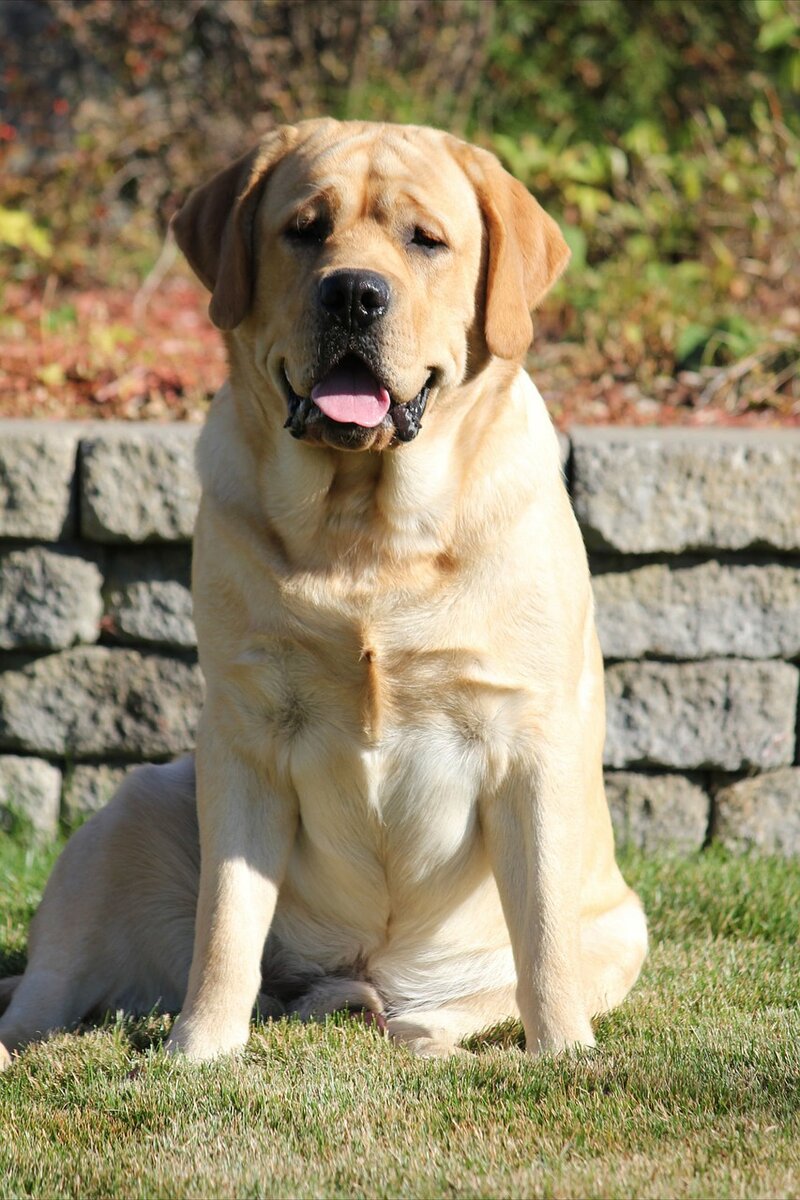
x=138, y=483
x=87, y=789
x=49, y=599
x=704, y=610
x=657, y=812
x=762, y=813
x=31, y=789
x=148, y=598
x=641, y=491
x=96, y=702
x=37, y=469
x=722, y=714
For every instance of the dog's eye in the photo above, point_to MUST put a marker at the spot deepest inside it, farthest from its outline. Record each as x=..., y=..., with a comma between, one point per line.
x=308, y=229
x=427, y=241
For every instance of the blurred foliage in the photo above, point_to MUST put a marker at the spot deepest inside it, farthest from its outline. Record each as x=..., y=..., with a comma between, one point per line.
x=663, y=134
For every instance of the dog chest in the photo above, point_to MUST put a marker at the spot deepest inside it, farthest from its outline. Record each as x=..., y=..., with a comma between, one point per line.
x=388, y=838
x=387, y=755
x=382, y=722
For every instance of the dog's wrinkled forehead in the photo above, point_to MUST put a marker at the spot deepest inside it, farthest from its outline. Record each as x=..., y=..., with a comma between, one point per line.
x=374, y=172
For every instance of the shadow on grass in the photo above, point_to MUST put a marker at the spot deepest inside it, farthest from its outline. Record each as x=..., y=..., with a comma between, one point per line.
x=141, y=1033
x=506, y=1035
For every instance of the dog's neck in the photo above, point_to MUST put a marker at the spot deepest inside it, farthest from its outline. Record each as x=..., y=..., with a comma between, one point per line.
x=328, y=509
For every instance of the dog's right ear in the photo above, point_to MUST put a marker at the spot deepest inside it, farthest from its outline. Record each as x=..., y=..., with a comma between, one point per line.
x=214, y=228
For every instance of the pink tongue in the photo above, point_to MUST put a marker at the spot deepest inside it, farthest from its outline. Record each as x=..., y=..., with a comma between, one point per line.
x=351, y=394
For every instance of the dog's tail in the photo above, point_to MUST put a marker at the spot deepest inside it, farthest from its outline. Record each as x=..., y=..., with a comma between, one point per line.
x=7, y=988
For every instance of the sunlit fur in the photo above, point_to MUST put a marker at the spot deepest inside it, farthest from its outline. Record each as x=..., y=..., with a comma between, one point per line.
x=399, y=780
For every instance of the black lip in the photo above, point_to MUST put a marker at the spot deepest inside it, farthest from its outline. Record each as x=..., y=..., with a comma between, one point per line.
x=305, y=416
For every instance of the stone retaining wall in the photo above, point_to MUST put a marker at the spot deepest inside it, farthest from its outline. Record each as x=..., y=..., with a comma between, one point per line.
x=694, y=539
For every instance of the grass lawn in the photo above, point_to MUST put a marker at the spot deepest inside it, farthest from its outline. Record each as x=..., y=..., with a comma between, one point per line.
x=693, y=1091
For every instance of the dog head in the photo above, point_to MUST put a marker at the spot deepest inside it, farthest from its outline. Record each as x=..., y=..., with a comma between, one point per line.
x=361, y=269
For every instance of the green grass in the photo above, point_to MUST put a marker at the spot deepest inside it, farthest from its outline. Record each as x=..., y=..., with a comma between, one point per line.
x=693, y=1091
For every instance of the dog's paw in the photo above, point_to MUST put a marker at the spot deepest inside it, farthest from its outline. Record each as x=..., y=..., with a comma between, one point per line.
x=368, y=1017
x=431, y=1048
x=5, y=1058
x=559, y=1043
x=198, y=1043
x=423, y=1042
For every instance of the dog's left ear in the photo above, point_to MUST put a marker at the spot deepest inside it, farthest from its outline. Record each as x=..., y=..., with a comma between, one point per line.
x=527, y=252
x=214, y=228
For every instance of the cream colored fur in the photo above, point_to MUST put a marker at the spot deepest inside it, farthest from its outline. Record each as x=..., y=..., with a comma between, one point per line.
x=399, y=762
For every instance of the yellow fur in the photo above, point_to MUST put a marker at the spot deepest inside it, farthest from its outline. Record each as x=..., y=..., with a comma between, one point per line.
x=399, y=762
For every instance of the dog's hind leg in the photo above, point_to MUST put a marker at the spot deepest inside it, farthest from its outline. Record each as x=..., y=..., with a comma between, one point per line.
x=114, y=929
x=52, y=994
x=64, y=950
x=44, y=1001
x=613, y=947
x=438, y=1032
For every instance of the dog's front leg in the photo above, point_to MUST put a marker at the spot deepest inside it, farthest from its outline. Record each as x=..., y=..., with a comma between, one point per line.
x=532, y=826
x=246, y=834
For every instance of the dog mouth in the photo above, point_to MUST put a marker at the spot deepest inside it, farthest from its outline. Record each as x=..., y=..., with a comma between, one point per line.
x=351, y=407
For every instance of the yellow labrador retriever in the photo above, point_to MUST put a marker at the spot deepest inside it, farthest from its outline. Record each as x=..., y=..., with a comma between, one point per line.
x=398, y=788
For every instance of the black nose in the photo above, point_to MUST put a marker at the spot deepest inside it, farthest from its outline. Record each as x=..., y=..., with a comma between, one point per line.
x=354, y=298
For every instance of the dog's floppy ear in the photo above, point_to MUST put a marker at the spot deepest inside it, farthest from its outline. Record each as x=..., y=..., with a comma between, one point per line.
x=527, y=252
x=214, y=228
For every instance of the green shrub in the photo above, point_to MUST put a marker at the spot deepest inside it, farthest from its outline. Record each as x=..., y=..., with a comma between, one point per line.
x=665, y=136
